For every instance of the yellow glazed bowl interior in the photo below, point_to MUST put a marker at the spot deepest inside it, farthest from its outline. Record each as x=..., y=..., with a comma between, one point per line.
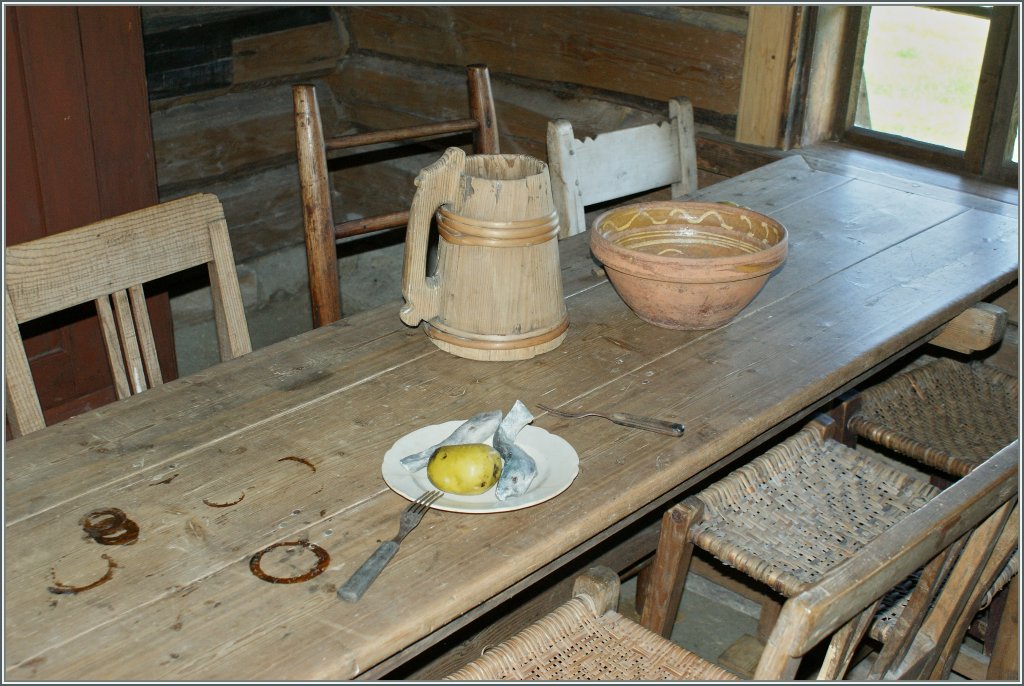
x=688, y=265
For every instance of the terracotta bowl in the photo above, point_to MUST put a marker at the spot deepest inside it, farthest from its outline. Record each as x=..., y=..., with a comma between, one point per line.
x=687, y=265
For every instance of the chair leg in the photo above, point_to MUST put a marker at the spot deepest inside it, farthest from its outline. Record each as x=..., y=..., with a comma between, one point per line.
x=643, y=584
x=601, y=584
x=770, y=610
x=317, y=214
x=1005, y=662
x=481, y=108
x=666, y=577
x=849, y=405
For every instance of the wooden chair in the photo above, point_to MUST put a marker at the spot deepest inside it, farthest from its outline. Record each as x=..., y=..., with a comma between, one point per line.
x=785, y=518
x=949, y=415
x=318, y=215
x=747, y=519
x=946, y=414
x=620, y=163
x=960, y=539
x=108, y=262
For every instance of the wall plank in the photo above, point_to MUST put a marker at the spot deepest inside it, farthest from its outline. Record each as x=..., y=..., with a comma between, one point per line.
x=768, y=68
x=613, y=49
x=299, y=52
x=190, y=50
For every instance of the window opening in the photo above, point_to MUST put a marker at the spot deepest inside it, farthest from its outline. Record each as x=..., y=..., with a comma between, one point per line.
x=920, y=72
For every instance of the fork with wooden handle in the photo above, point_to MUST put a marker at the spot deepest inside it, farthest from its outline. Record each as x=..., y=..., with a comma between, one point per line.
x=356, y=586
x=624, y=419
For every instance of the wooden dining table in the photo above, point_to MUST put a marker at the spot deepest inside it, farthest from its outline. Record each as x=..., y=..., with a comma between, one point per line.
x=285, y=445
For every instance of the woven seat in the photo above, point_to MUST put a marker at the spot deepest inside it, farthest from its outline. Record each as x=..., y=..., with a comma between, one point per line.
x=576, y=642
x=946, y=414
x=802, y=508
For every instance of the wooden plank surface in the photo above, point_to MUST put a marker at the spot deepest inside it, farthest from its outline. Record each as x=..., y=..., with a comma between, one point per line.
x=623, y=50
x=858, y=288
x=929, y=181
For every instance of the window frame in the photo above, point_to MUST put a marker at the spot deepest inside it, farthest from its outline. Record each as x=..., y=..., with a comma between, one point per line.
x=996, y=106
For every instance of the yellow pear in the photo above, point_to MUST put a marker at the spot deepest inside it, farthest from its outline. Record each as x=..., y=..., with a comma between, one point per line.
x=464, y=469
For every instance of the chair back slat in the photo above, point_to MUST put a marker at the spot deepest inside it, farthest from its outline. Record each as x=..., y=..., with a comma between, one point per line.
x=107, y=263
x=843, y=646
x=23, y=410
x=627, y=161
x=321, y=230
x=112, y=342
x=129, y=342
x=144, y=334
x=913, y=615
x=407, y=133
x=978, y=507
x=620, y=163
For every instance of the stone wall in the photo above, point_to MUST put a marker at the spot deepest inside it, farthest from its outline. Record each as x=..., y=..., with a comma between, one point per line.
x=220, y=89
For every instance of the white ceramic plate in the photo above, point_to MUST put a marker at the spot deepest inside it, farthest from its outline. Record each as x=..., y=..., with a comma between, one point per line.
x=557, y=466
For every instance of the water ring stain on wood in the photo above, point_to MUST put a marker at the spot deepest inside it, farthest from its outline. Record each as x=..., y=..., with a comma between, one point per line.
x=110, y=526
x=299, y=459
x=59, y=588
x=235, y=502
x=322, y=560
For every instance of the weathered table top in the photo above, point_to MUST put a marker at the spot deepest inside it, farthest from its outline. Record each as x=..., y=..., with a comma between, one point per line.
x=876, y=264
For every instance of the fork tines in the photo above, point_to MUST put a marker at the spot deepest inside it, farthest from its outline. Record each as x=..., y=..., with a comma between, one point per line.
x=426, y=500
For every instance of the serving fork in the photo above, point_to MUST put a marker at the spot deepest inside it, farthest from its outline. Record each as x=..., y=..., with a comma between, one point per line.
x=353, y=589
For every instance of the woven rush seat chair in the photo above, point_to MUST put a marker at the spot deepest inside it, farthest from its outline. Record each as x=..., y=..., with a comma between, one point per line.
x=801, y=508
x=587, y=639
x=960, y=538
x=947, y=414
x=783, y=519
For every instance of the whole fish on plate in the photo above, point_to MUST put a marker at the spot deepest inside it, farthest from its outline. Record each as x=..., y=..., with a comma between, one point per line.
x=476, y=429
x=518, y=469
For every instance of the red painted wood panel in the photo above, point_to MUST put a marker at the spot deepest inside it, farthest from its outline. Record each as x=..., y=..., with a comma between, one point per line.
x=79, y=148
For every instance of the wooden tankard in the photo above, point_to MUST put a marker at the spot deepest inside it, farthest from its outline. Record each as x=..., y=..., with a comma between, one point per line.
x=497, y=291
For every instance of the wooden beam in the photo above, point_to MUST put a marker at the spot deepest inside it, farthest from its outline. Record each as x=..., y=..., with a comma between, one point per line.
x=987, y=120
x=769, y=65
x=977, y=328
x=825, y=95
x=1006, y=115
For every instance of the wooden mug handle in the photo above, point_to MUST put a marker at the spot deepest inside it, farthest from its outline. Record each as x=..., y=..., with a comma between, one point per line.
x=435, y=186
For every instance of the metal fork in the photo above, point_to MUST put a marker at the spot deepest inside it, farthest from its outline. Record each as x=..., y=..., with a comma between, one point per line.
x=356, y=586
x=624, y=419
